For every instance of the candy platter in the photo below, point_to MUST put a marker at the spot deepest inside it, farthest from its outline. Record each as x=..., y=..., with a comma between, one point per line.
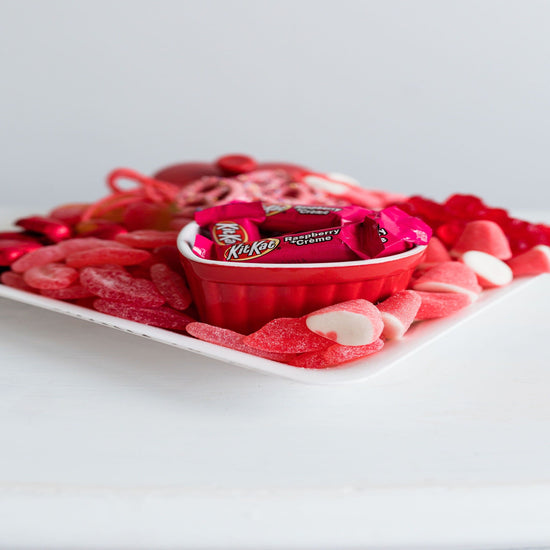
x=419, y=336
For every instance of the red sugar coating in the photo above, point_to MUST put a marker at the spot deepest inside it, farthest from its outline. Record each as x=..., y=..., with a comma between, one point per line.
x=398, y=312
x=79, y=244
x=484, y=236
x=162, y=317
x=40, y=256
x=107, y=255
x=436, y=252
x=230, y=339
x=15, y=280
x=286, y=335
x=353, y=323
x=148, y=238
x=533, y=262
x=117, y=285
x=335, y=354
x=50, y=276
x=171, y=285
x=73, y=292
x=440, y=304
x=449, y=277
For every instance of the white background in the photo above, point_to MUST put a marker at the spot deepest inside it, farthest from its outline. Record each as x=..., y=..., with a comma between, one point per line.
x=419, y=97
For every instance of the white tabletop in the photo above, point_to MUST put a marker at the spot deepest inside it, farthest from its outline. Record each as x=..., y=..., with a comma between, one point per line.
x=113, y=441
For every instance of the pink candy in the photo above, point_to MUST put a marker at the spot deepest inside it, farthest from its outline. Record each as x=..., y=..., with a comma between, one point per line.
x=398, y=312
x=40, y=256
x=440, y=304
x=50, y=276
x=107, y=255
x=532, y=262
x=172, y=286
x=484, y=236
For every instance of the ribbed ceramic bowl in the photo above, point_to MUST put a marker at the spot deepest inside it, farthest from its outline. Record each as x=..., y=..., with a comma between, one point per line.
x=243, y=297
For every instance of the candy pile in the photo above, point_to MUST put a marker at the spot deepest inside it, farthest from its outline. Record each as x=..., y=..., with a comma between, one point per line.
x=119, y=255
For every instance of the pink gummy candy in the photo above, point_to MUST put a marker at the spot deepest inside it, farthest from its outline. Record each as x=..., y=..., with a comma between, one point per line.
x=73, y=292
x=490, y=271
x=79, y=244
x=230, y=339
x=15, y=280
x=533, y=262
x=335, y=354
x=449, y=277
x=398, y=312
x=171, y=285
x=485, y=236
x=286, y=335
x=162, y=317
x=436, y=252
x=148, y=238
x=117, y=285
x=440, y=304
x=50, y=276
x=40, y=256
x=351, y=323
x=107, y=255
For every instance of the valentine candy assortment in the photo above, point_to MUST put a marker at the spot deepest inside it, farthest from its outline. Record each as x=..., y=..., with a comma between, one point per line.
x=120, y=256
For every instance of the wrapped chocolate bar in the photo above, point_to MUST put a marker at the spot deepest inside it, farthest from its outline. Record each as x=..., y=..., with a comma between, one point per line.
x=232, y=223
x=286, y=218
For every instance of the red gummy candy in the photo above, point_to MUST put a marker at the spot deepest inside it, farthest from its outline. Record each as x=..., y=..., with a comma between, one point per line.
x=40, y=256
x=73, y=292
x=440, y=304
x=172, y=286
x=53, y=229
x=466, y=207
x=286, y=335
x=147, y=215
x=115, y=284
x=163, y=317
x=230, y=339
x=78, y=244
x=50, y=276
x=107, y=255
x=335, y=354
x=14, y=280
x=69, y=214
x=148, y=238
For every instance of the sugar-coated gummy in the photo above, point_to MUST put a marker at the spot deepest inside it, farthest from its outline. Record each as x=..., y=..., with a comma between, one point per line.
x=117, y=285
x=354, y=322
x=398, y=312
x=73, y=292
x=334, y=355
x=449, y=277
x=171, y=285
x=148, y=238
x=15, y=280
x=286, y=335
x=162, y=317
x=79, y=244
x=230, y=339
x=484, y=236
x=50, y=276
x=440, y=304
x=533, y=262
x=490, y=271
x=107, y=255
x=40, y=256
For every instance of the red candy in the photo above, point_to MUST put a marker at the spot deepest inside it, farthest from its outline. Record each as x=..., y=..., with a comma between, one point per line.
x=484, y=236
x=13, y=249
x=73, y=292
x=232, y=165
x=70, y=246
x=14, y=280
x=172, y=286
x=230, y=339
x=148, y=238
x=162, y=317
x=53, y=229
x=107, y=255
x=50, y=276
x=398, y=312
x=113, y=283
x=40, y=256
x=440, y=304
x=286, y=335
x=532, y=262
x=335, y=354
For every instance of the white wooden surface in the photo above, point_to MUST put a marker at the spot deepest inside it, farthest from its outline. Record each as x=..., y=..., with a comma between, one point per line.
x=113, y=441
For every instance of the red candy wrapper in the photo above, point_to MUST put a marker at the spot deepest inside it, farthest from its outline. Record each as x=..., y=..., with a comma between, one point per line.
x=286, y=218
x=232, y=223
